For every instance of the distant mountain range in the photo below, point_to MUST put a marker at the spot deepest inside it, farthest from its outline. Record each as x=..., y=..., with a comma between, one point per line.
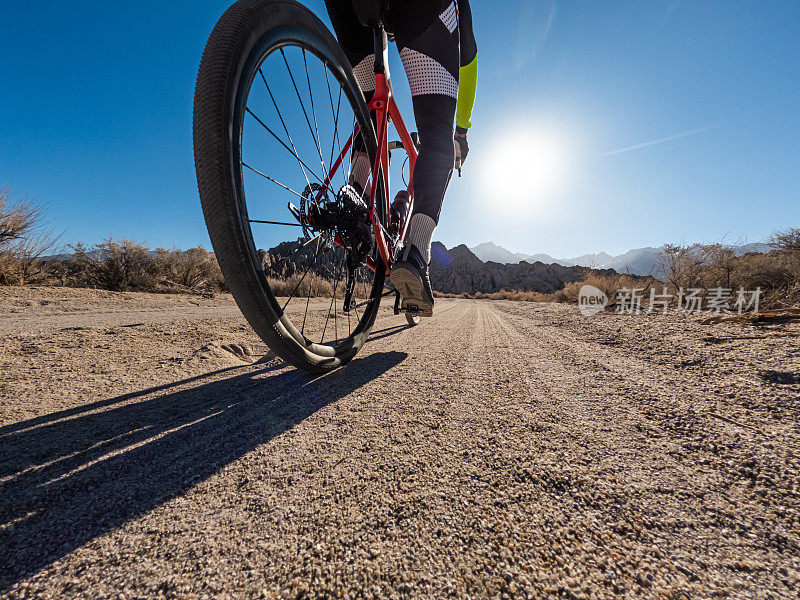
x=459, y=270
x=640, y=261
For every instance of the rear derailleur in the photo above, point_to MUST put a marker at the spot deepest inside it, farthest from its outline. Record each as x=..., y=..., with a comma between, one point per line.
x=345, y=218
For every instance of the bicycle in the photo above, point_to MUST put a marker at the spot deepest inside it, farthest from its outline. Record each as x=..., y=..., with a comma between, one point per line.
x=253, y=53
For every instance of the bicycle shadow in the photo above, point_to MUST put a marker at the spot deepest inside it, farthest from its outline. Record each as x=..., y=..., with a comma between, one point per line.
x=65, y=482
x=387, y=331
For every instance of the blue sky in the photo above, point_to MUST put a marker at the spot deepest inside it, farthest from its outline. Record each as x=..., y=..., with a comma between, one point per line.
x=637, y=122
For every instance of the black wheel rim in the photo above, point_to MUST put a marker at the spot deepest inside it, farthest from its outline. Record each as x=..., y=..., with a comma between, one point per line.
x=304, y=277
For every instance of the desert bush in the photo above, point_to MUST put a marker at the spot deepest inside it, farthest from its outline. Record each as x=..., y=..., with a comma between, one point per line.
x=707, y=266
x=130, y=265
x=16, y=219
x=193, y=269
x=24, y=240
x=681, y=265
x=608, y=284
x=787, y=240
x=773, y=270
x=117, y=266
x=718, y=264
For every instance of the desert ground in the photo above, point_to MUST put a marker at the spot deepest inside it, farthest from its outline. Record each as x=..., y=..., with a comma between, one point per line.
x=151, y=446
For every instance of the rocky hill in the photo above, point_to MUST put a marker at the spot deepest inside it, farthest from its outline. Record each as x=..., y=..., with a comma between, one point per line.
x=458, y=270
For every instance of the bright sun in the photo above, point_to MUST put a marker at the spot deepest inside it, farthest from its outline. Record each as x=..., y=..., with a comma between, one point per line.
x=524, y=167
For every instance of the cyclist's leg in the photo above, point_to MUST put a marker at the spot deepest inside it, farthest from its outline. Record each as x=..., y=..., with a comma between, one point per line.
x=357, y=43
x=431, y=62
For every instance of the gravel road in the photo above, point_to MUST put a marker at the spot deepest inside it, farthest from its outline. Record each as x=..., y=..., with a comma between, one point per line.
x=151, y=446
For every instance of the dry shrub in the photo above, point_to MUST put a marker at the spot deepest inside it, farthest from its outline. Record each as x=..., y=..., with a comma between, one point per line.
x=708, y=266
x=777, y=273
x=117, y=266
x=23, y=242
x=787, y=240
x=681, y=265
x=773, y=270
x=719, y=263
x=194, y=269
x=16, y=219
x=131, y=266
x=608, y=284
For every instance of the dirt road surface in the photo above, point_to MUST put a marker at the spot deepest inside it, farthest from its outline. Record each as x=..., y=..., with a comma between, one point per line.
x=150, y=447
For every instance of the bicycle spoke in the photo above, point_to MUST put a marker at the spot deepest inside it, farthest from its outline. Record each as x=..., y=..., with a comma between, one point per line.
x=299, y=282
x=274, y=223
x=349, y=331
x=292, y=152
x=265, y=176
x=335, y=312
x=303, y=106
x=289, y=299
x=310, y=290
x=364, y=289
x=315, y=238
x=327, y=318
x=335, y=141
x=352, y=149
x=286, y=129
x=314, y=114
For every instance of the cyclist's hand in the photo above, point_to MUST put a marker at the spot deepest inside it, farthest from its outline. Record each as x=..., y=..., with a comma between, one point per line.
x=462, y=147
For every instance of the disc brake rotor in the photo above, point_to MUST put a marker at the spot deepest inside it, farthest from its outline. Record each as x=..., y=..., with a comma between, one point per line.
x=313, y=200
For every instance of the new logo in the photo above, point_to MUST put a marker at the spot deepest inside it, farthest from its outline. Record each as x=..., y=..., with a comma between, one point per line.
x=591, y=300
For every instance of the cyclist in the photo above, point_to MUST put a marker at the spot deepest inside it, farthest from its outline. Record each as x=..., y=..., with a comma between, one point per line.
x=439, y=54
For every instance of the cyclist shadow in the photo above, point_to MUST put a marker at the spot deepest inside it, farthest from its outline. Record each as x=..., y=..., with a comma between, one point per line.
x=64, y=482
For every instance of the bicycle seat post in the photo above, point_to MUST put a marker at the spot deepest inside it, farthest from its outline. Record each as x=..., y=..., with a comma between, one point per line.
x=381, y=45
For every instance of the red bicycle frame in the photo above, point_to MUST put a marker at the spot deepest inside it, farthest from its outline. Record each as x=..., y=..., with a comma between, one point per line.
x=386, y=110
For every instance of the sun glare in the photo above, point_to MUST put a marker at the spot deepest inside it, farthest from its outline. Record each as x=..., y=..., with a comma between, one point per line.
x=525, y=168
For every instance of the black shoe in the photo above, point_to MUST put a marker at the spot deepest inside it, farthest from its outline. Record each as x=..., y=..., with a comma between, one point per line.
x=410, y=277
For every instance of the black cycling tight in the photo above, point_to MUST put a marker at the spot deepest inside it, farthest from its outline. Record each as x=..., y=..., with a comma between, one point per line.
x=427, y=37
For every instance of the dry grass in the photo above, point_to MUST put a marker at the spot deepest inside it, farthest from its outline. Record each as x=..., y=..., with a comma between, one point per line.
x=517, y=295
x=607, y=284
x=315, y=287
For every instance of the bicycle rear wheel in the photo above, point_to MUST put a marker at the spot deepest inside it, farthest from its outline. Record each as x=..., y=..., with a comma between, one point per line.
x=275, y=103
